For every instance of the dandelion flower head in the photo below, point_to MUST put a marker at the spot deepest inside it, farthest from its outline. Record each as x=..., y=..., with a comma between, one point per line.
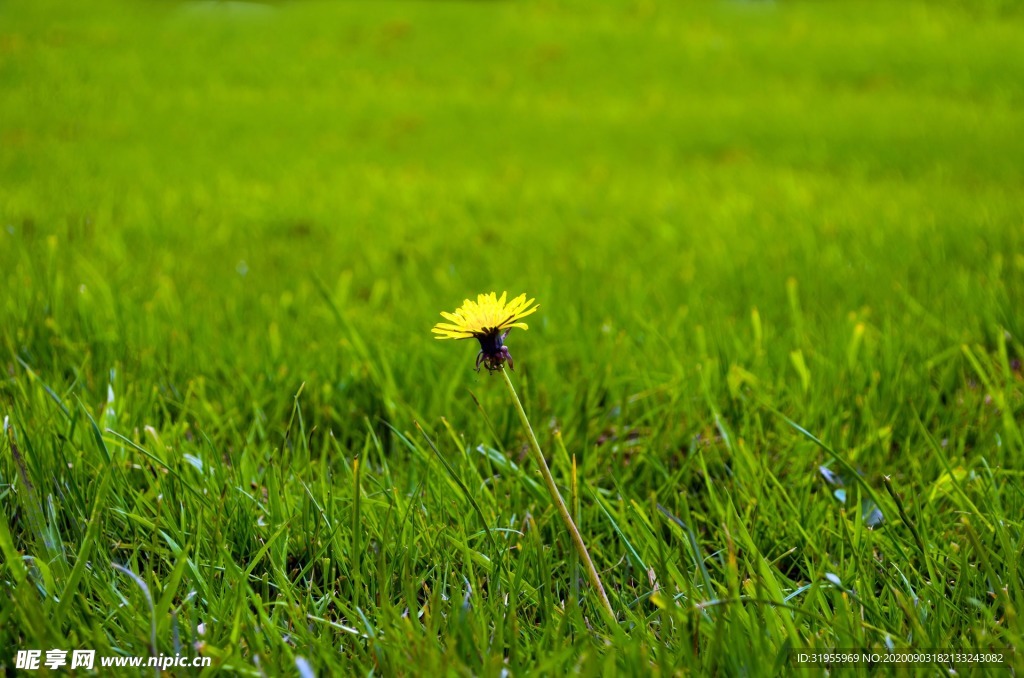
x=489, y=320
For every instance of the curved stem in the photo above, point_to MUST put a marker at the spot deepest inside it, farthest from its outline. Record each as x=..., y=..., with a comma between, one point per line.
x=581, y=548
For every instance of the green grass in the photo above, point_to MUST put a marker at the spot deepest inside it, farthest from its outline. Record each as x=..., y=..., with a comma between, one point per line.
x=224, y=237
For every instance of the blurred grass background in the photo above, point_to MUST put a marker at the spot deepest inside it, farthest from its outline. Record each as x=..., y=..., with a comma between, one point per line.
x=721, y=207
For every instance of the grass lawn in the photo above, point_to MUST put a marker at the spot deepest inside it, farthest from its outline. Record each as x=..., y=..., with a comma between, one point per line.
x=779, y=254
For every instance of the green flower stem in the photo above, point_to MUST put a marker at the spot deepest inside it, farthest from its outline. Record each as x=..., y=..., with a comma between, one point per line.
x=577, y=540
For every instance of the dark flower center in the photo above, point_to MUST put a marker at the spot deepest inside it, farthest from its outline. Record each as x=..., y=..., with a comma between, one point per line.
x=491, y=342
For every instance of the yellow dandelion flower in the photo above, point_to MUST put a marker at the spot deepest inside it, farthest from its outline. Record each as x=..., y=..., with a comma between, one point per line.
x=489, y=320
